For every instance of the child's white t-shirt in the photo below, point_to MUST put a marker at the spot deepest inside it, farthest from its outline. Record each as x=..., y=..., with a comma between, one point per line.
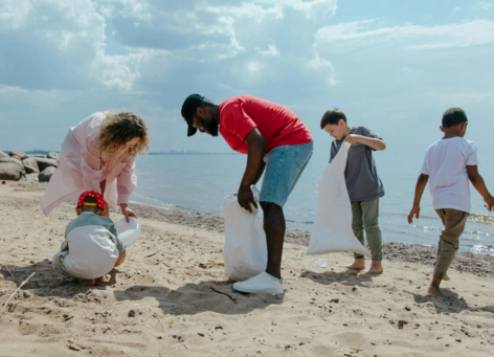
x=445, y=163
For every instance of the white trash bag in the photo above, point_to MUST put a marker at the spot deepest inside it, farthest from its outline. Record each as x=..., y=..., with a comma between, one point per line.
x=332, y=230
x=128, y=232
x=245, y=250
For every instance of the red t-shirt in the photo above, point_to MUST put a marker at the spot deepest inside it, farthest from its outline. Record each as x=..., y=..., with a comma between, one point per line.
x=279, y=126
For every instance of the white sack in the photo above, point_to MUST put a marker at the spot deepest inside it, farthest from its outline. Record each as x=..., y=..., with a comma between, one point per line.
x=128, y=232
x=245, y=250
x=332, y=231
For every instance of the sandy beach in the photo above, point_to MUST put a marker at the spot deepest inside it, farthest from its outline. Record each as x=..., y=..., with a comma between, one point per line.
x=171, y=297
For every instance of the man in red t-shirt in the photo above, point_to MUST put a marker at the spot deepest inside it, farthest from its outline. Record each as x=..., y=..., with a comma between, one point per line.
x=272, y=137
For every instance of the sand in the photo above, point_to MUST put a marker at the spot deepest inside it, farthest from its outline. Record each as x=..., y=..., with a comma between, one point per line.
x=171, y=297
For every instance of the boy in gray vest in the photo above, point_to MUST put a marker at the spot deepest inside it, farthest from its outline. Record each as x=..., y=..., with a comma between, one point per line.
x=363, y=184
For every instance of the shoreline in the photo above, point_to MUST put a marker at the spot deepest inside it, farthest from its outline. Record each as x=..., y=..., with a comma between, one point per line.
x=480, y=265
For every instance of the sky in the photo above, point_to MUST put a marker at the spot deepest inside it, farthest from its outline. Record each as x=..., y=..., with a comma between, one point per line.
x=393, y=66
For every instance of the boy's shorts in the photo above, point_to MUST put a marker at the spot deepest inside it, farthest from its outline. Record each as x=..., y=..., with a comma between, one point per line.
x=284, y=165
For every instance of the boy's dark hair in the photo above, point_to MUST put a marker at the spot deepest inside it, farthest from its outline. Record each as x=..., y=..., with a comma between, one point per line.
x=332, y=117
x=453, y=116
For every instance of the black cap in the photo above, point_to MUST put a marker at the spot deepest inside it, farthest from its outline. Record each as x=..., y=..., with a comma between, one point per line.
x=189, y=108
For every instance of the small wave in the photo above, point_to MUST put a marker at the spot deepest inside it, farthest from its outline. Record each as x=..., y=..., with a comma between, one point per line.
x=480, y=249
x=482, y=218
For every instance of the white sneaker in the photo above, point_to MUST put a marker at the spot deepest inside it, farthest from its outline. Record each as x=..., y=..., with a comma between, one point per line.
x=261, y=283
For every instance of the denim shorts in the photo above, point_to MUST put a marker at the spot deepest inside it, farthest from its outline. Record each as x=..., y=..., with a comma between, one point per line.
x=284, y=165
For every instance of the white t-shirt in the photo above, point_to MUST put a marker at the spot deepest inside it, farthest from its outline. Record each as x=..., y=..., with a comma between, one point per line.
x=445, y=163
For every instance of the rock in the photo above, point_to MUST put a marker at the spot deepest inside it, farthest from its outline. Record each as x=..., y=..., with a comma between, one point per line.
x=44, y=162
x=3, y=154
x=31, y=165
x=46, y=174
x=131, y=313
x=52, y=155
x=73, y=346
x=402, y=323
x=19, y=155
x=11, y=169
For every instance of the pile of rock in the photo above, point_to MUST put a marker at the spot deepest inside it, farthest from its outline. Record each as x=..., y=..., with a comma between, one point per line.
x=17, y=165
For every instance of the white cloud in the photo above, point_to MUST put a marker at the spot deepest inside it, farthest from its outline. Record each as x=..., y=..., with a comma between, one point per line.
x=309, y=7
x=485, y=5
x=323, y=66
x=253, y=66
x=137, y=9
x=366, y=33
x=59, y=44
x=13, y=13
x=270, y=51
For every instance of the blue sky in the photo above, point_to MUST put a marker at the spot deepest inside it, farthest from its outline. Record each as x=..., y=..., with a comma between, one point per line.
x=393, y=66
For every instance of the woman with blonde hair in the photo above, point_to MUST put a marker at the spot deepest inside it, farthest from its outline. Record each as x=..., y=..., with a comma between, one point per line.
x=99, y=154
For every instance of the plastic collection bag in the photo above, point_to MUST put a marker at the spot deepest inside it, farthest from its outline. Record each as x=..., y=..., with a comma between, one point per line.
x=332, y=230
x=245, y=250
x=128, y=232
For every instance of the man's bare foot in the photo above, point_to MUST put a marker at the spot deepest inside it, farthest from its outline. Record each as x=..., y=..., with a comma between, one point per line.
x=434, y=291
x=358, y=264
x=376, y=267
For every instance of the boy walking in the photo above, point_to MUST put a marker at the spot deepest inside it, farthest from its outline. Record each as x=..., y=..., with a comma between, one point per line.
x=363, y=184
x=449, y=164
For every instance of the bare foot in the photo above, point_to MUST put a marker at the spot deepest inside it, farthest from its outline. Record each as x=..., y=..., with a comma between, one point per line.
x=434, y=291
x=358, y=264
x=375, y=271
x=376, y=268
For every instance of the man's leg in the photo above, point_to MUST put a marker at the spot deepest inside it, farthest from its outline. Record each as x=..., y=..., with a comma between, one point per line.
x=284, y=166
x=283, y=169
x=274, y=226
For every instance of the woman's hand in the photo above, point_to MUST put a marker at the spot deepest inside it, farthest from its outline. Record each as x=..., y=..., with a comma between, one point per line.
x=126, y=211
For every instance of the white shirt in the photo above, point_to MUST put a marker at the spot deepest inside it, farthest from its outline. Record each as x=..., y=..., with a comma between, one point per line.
x=445, y=163
x=92, y=248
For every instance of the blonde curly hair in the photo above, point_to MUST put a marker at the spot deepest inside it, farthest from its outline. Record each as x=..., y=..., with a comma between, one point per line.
x=117, y=129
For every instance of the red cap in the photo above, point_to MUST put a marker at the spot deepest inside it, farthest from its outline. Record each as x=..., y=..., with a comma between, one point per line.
x=100, y=200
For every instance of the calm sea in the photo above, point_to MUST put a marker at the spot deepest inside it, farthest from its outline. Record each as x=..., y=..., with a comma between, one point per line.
x=200, y=182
